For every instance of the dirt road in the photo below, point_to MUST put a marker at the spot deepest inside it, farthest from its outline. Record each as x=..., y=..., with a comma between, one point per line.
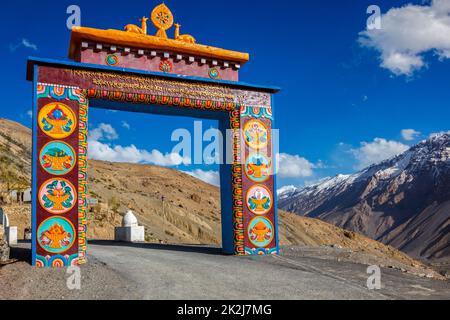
x=149, y=271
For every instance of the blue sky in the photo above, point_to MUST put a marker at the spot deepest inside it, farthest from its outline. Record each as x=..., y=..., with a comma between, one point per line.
x=343, y=105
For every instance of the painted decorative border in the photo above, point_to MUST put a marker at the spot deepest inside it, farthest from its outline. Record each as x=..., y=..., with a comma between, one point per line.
x=236, y=181
x=121, y=96
x=256, y=112
x=56, y=260
x=261, y=251
x=58, y=92
x=82, y=176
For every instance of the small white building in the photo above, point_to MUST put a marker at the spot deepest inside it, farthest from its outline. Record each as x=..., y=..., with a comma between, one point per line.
x=10, y=232
x=21, y=196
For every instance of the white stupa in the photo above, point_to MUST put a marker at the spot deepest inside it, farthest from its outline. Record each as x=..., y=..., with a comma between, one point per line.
x=130, y=231
x=129, y=220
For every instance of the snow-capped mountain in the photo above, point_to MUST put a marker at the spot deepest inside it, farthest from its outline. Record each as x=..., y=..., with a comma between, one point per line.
x=287, y=191
x=403, y=201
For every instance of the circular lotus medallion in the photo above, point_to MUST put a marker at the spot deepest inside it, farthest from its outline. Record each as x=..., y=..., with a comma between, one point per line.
x=57, y=120
x=112, y=60
x=260, y=232
x=57, y=196
x=56, y=235
x=214, y=73
x=258, y=167
x=256, y=135
x=57, y=158
x=259, y=199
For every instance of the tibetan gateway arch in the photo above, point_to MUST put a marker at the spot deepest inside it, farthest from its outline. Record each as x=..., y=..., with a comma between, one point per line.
x=168, y=74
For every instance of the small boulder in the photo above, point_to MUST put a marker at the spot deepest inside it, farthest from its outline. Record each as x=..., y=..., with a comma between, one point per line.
x=349, y=234
x=195, y=197
x=4, y=251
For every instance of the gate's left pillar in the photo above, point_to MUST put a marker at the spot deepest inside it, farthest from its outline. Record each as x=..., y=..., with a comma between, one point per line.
x=59, y=176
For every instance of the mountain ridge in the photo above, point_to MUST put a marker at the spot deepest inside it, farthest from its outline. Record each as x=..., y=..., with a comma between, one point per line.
x=403, y=201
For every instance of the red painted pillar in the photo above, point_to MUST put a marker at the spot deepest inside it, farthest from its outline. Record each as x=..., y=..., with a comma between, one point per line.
x=258, y=181
x=59, y=177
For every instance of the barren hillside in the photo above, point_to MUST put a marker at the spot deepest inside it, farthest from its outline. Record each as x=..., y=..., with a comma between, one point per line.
x=15, y=156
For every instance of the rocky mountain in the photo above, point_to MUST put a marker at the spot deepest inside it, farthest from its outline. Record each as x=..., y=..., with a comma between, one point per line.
x=189, y=213
x=403, y=201
x=15, y=157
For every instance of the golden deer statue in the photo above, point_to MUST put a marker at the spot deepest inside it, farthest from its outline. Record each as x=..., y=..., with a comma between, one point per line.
x=184, y=37
x=135, y=29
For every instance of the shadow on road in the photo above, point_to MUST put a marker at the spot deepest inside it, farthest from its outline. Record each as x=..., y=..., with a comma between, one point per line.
x=155, y=246
x=21, y=253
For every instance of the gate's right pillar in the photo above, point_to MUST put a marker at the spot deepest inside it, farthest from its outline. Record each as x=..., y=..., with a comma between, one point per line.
x=259, y=211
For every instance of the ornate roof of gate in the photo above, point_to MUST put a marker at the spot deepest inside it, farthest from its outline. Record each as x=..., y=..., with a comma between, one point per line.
x=137, y=37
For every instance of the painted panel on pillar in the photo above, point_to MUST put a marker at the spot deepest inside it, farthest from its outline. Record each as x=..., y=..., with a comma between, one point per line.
x=258, y=181
x=58, y=190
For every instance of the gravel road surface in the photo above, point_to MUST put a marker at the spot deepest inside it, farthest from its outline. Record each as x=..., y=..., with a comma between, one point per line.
x=150, y=271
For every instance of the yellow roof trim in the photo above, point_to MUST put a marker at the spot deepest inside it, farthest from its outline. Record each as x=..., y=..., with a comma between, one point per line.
x=141, y=41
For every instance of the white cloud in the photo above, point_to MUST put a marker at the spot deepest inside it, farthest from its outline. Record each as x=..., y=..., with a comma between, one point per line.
x=116, y=153
x=376, y=151
x=407, y=33
x=23, y=43
x=126, y=125
x=30, y=113
x=27, y=44
x=104, y=131
x=131, y=154
x=293, y=166
x=410, y=134
x=211, y=177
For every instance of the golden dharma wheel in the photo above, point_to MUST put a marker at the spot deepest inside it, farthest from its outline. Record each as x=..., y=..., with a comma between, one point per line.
x=162, y=17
